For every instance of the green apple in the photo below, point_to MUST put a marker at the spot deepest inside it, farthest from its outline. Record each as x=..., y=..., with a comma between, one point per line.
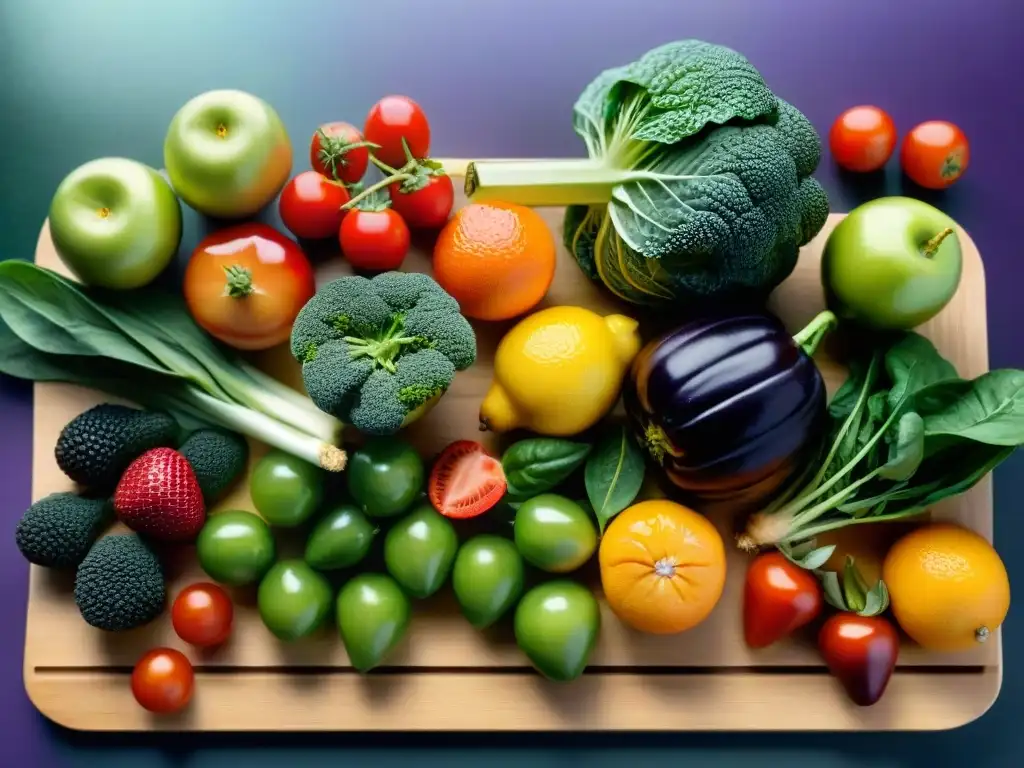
x=227, y=153
x=115, y=223
x=891, y=263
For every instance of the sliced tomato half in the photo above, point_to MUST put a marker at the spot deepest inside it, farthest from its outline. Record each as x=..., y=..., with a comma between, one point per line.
x=466, y=480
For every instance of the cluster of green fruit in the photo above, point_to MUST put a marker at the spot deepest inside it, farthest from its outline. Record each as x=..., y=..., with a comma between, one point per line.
x=387, y=546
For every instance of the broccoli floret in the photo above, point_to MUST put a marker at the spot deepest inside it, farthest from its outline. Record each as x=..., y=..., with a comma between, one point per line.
x=374, y=350
x=57, y=530
x=120, y=584
x=217, y=457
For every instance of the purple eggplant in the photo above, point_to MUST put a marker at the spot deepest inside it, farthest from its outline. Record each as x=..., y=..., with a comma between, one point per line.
x=730, y=407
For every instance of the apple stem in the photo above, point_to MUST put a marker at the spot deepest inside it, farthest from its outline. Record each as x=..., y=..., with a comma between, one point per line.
x=933, y=245
x=239, y=281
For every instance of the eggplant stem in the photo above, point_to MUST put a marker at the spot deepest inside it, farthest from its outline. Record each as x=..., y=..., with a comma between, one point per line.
x=810, y=337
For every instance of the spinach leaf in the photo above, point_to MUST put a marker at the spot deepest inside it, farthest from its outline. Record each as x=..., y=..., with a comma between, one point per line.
x=907, y=450
x=539, y=464
x=913, y=363
x=614, y=474
x=845, y=399
x=990, y=411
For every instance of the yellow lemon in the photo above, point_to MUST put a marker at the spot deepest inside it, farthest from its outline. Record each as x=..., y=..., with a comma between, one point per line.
x=948, y=588
x=558, y=371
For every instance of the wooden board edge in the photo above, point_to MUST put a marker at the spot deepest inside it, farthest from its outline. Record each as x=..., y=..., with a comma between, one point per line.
x=521, y=702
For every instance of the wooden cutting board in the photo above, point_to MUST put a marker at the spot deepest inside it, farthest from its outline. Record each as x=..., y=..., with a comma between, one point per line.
x=447, y=676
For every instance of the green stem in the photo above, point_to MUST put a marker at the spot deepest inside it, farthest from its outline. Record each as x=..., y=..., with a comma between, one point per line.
x=812, y=514
x=372, y=189
x=386, y=169
x=239, y=281
x=543, y=182
x=810, y=337
x=933, y=245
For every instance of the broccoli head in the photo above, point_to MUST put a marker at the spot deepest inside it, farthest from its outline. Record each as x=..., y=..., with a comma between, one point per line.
x=374, y=351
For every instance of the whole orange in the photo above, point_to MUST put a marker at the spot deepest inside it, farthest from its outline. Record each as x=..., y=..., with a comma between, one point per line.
x=496, y=259
x=948, y=587
x=662, y=567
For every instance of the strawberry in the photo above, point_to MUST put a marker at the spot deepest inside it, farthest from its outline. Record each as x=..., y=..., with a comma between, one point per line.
x=159, y=496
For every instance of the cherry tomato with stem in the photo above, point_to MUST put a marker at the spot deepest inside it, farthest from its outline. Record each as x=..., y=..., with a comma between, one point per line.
x=245, y=284
x=311, y=206
x=202, y=615
x=393, y=119
x=374, y=239
x=779, y=597
x=862, y=139
x=162, y=681
x=425, y=199
x=861, y=653
x=338, y=151
x=466, y=480
x=935, y=154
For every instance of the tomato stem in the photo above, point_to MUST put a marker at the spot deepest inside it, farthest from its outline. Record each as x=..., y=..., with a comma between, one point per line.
x=933, y=245
x=333, y=148
x=400, y=176
x=239, y=283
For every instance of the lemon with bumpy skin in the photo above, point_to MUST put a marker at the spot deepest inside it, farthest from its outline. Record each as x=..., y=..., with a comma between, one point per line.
x=559, y=371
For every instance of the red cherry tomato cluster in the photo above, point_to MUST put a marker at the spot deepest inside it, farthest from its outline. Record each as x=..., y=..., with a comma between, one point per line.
x=372, y=224
x=858, y=644
x=163, y=679
x=934, y=154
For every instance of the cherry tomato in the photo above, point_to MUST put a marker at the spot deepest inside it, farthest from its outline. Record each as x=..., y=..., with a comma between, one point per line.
x=390, y=120
x=862, y=139
x=374, y=240
x=245, y=284
x=337, y=151
x=779, y=597
x=202, y=614
x=861, y=653
x=466, y=480
x=162, y=680
x=426, y=201
x=935, y=154
x=310, y=206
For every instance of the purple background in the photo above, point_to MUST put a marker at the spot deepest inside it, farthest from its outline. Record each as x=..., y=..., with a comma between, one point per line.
x=80, y=80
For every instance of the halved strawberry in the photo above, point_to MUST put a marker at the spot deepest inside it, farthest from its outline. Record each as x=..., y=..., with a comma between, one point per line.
x=466, y=480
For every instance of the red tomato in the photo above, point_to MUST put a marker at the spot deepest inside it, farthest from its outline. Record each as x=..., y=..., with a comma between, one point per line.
x=425, y=202
x=310, y=206
x=376, y=241
x=466, y=481
x=779, y=597
x=935, y=154
x=162, y=680
x=202, y=614
x=245, y=284
x=390, y=120
x=862, y=139
x=861, y=653
x=337, y=151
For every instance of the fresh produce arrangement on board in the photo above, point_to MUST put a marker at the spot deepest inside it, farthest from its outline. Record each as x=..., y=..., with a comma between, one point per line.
x=621, y=433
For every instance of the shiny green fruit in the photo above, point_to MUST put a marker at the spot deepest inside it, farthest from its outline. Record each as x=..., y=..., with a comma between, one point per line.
x=227, y=153
x=235, y=547
x=556, y=626
x=115, y=223
x=340, y=540
x=385, y=476
x=419, y=551
x=286, y=490
x=554, y=533
x=373, y=614
x=487, y=578
x=293, y=600
x=891, y=264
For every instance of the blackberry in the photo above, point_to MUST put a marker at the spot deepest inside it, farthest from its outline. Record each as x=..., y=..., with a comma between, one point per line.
x=120, y=584
x=217, y=457
x=96, y=447
x=57, y=530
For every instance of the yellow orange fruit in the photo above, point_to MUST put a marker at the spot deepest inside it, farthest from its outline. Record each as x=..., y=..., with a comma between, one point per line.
x=948, y=587
x=662, y=567
x=496, y=259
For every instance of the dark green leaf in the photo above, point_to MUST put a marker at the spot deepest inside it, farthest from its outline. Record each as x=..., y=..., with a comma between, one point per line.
x=614, y=474
x=539, y=464
x=913, y=363
x=990, y=411
x=907, y=450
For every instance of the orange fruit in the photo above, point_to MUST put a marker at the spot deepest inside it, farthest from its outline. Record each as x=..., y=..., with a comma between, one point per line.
x=662, y=567
x=496, y=259
x=948, y=587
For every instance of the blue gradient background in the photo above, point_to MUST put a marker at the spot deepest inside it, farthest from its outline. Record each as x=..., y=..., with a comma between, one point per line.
x=86, y=78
